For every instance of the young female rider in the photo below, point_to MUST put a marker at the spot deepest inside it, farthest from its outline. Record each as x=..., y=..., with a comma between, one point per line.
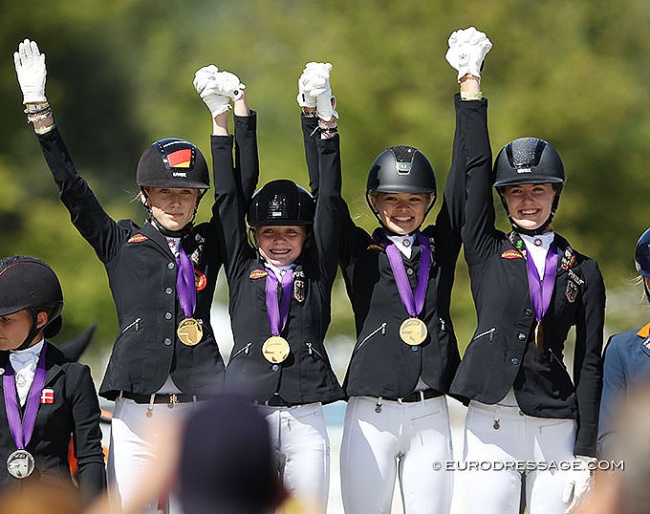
x=530, y=287
x=46, y=399
x=280, y=294
x=162, y=276
x=626, y=364
x=399, y=281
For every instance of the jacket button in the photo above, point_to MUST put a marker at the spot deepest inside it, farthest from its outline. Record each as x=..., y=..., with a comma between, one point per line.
x=171, y=265
x=522, y=336
x=414, y=348
x=275, y=367
x=521, y=413
x=169, y=290
x=168, y=342
x=514, y=360
x=409, y=271
x=529, y=312
x=168, y=315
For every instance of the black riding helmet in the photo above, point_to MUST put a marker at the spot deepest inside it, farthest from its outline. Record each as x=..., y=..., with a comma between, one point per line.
x=173, y=162
x=642, y=258
x=29, y=283
x=401, y=169
x=529, y=160
x=281, y=202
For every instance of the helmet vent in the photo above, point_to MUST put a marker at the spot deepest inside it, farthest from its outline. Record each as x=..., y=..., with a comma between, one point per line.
x=404, y=157
x=525, y=153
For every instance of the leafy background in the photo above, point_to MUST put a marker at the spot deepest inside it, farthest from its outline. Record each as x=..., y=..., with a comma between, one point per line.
x=120, y=76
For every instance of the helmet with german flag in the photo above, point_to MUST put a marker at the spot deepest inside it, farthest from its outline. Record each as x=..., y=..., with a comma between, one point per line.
x=173, y=162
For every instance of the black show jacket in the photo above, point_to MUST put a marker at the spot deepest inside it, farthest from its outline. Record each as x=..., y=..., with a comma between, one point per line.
x=142, y=276
x=502, y=353
x=382, y=365
x=74, y=413
x=306, y=376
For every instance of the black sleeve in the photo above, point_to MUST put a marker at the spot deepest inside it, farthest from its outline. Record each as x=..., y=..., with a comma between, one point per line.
x=87, y=433
x=86, y=213
x=230, y=200
x=478, y=230
x=247, y=165
x=587, y=362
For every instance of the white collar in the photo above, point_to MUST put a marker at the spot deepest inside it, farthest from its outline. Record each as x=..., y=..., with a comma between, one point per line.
x=403, y=242
x=27, y=356
x=279, y=271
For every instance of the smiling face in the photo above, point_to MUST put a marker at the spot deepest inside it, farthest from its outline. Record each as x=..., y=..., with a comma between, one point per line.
x=401, y=213
x=172, y=207
x=529, y=205
x=280, y=245
x=15, y=327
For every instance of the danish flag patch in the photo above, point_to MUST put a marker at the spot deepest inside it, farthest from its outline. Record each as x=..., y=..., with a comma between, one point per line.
x=47, y=396
x=511, y=254
x=137, y=238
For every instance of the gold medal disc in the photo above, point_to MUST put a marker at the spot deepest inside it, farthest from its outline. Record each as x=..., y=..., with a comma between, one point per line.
x=190, y=331
x=275, y=349
x=413, y=331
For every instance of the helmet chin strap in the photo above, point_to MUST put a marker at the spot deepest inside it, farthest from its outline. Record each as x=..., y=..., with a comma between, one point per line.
x=33, y=332
x=544, y=227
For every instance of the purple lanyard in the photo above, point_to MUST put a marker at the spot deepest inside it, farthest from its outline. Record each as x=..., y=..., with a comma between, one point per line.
x=185, y=284
x=22, y=430
x=413, y=301
x=542, y=290
x=278, y=312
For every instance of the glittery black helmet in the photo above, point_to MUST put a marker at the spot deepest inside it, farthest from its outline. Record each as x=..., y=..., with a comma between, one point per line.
x=29, y=283
x=173, y=162
x=401, y=169
x=528, y=160
x=642, y=257
x=281, y=202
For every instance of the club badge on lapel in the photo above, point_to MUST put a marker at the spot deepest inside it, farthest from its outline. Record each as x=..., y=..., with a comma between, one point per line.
x=573, y=286
x=299, y=286
x=47, y=396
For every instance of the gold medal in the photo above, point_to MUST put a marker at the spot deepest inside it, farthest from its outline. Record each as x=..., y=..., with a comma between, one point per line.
x=20, y=464
x=413, y=331
x=275, y=349
x=190, y=331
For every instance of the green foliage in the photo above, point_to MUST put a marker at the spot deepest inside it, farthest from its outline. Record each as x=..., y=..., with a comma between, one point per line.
x=120, y=76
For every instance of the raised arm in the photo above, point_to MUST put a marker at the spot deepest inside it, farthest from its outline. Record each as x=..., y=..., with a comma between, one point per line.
x=217, y=89
x=472, y=152
x=86, y=213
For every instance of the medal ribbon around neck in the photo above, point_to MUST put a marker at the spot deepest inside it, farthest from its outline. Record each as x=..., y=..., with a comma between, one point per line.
x=541, y=290
x=22, y=430
x=185, y=284
x=413, y=300
x=278, y=312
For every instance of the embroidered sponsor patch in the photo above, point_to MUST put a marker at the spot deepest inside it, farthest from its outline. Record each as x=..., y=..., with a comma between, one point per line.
x=47, y=396
x=375, y=246
x=258, y=273
x=511, y=254
x=137, y=238
x=200, y=280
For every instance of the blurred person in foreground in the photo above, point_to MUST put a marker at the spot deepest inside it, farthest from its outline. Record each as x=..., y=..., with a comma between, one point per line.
x=625, y=491
x=626, y=361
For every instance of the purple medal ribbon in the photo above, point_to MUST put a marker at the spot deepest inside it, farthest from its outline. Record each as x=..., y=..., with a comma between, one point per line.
x=413, y=300
x=278, y=312
x=22, y=430
x=185, y=284
x=542, y=290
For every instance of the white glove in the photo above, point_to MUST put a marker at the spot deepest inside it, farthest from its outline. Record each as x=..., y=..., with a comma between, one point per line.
x=580, y=480
x=467, y=49
x=314, y=90
x=31, y=72
x=217, y=88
